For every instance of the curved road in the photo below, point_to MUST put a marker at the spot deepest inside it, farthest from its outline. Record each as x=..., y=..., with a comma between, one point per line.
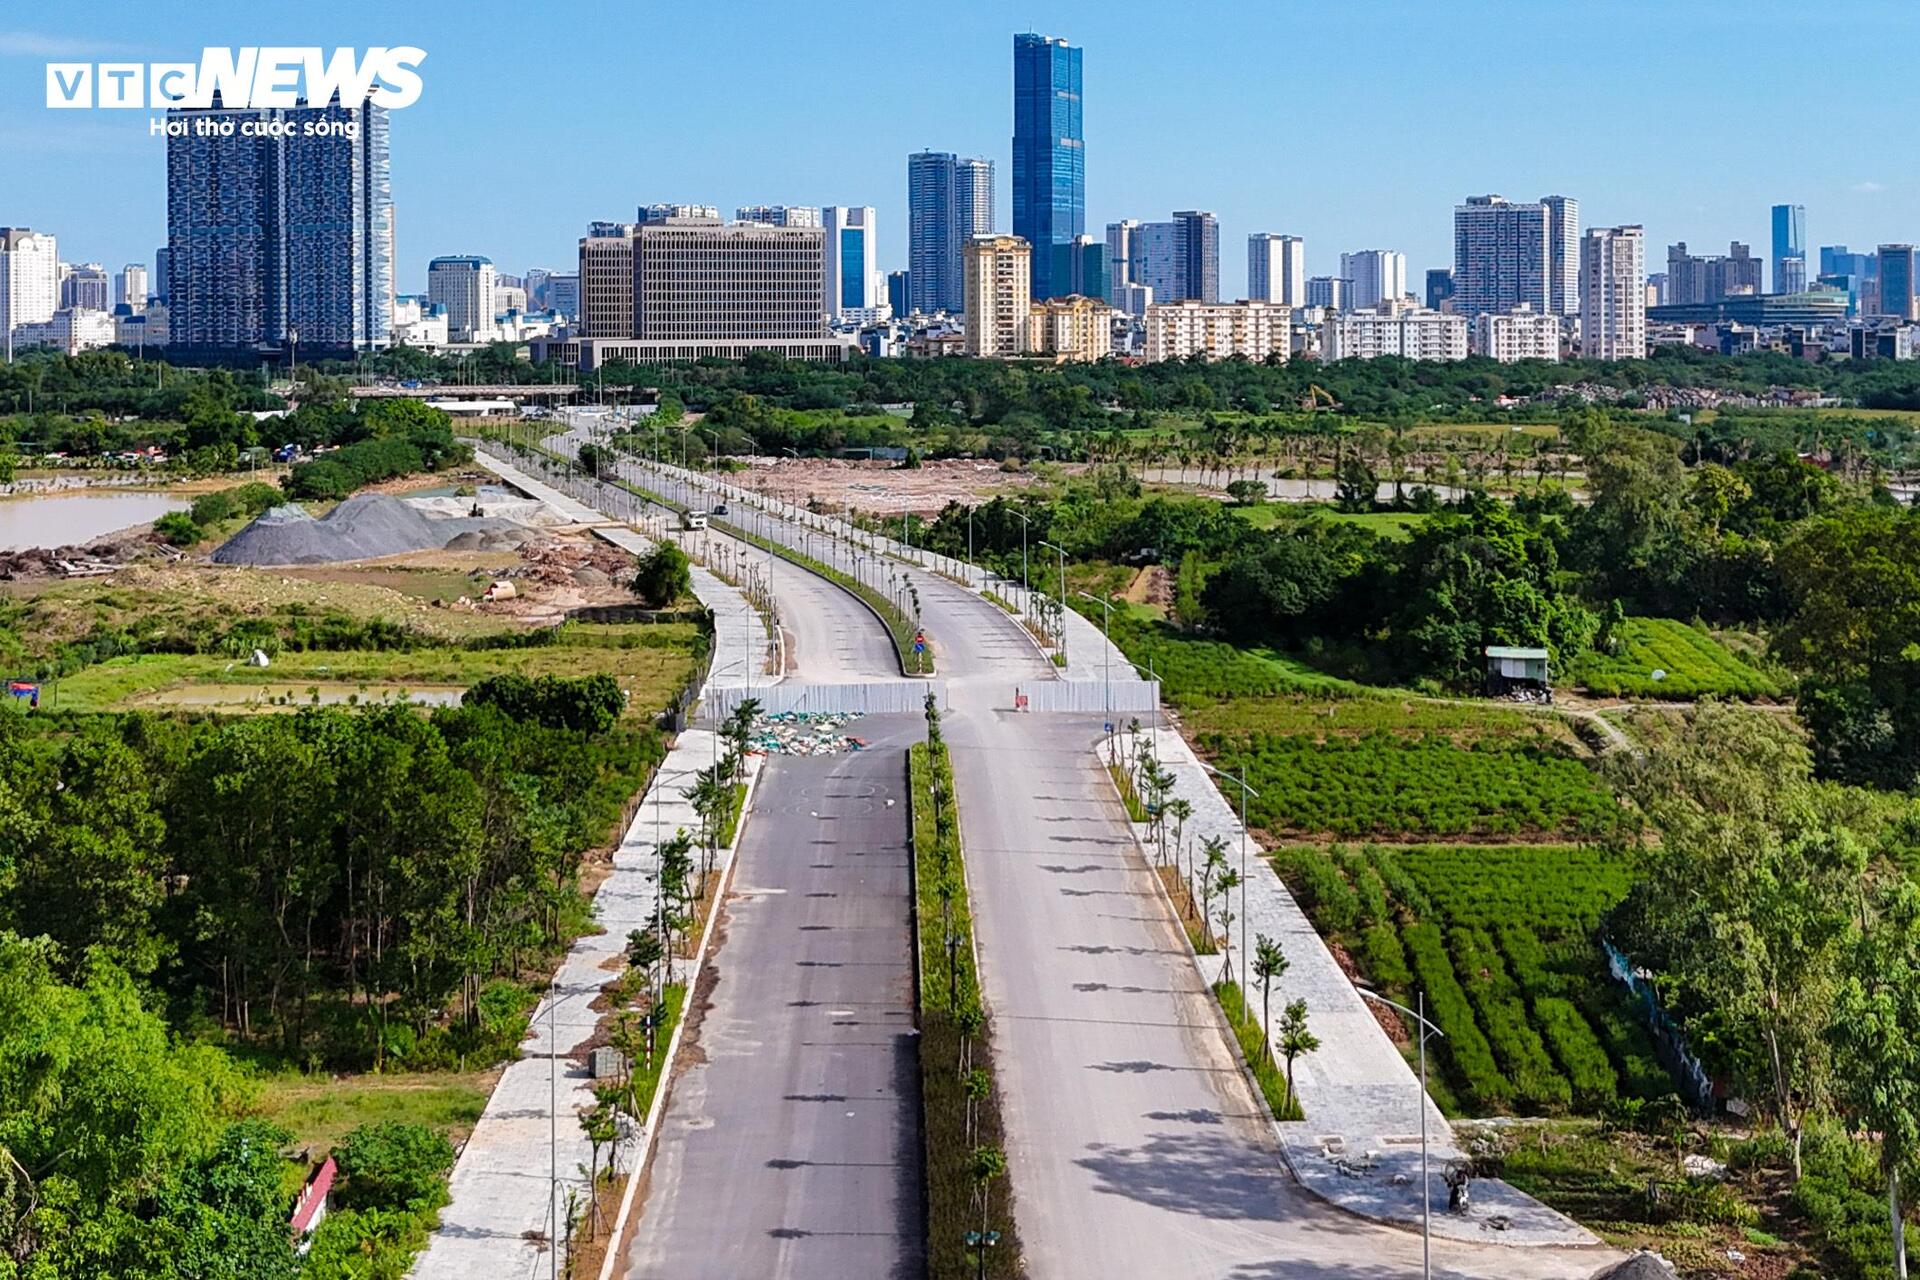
x=1136, y=1146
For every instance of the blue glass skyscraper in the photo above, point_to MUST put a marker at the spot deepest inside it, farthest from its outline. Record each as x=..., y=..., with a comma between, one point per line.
x=1049, y=152
x=1789, y=248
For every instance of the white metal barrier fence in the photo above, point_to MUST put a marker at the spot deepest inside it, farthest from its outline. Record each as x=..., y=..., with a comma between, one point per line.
x=898, y=696
x=1092, y=697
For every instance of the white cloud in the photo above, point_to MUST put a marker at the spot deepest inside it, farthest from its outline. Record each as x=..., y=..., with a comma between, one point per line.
x=1867, y=188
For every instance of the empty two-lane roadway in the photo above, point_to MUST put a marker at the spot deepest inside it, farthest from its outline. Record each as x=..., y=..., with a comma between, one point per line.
x=791, y=1144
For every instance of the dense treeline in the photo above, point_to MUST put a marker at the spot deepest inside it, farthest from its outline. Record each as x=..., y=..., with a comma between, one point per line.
x=343, y=888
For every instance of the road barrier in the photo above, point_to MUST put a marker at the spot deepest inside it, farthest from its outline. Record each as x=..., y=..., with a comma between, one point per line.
x=892, y=697
x=1092, y=697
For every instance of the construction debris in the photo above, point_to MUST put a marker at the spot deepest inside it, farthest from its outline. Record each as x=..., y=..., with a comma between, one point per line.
x=803, y=733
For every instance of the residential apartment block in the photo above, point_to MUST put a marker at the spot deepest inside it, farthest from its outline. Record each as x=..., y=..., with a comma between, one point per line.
x=999, y=295
x=1395, y=329
x=1217, y=330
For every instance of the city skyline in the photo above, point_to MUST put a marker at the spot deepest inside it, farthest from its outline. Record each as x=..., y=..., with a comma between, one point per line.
x=1141, y=159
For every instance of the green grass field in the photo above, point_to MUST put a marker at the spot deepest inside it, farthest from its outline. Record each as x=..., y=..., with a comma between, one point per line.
x=1694, y=663
x=320, y=1110
x=1397, y=526
x=650, y=662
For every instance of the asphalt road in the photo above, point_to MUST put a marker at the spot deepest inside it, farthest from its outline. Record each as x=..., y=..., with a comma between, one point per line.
x=1135, y=1145
x=791, y=1146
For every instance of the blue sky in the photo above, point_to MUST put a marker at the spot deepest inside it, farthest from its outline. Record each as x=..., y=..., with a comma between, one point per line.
x=1358, y=124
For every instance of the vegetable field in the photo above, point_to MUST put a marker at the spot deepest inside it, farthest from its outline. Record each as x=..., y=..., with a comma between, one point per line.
x=1695, y=665
x=1501, y=940
x=1386, y=785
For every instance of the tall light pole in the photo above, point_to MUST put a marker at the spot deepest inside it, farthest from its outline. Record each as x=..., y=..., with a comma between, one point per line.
x=1426, y=1195
x=1061, y=621
x=1026, y=592
x=1106, y=658
x=1240, y=781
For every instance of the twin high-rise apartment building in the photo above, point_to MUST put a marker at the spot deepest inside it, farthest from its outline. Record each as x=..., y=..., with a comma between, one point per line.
x=1277, y=269
x=1508, y=255
x=1049, y=151
x=1374, y=276
x=949, y=202
x=283, y=237
x=1178, y=259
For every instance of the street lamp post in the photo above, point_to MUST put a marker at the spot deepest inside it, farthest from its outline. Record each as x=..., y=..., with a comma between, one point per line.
x=1106, y=658
x=1240, y=781
x=1426, y=1195
x=1061, y=622
x=1026, y=592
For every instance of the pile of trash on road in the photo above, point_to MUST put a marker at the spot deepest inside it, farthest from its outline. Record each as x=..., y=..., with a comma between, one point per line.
x=804, y=733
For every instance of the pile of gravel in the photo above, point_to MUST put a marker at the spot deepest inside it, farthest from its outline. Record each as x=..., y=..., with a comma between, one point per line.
x=363, y=527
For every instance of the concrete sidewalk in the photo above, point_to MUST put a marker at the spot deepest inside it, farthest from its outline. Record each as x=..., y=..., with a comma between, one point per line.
x=1361, y=1099
x=529, y=1140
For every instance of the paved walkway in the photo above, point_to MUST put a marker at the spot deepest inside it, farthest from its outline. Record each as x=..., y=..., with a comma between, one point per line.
x=528, y=1139
x=1359, y=1094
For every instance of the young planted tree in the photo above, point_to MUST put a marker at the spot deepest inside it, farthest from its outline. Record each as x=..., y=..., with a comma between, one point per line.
x=1269, y=963
x=1295, y=1041
x=1212, y=865
x=1228, y=881
x=987, y=1164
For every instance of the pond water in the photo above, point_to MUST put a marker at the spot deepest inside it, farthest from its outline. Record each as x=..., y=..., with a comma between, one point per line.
x=62, y=519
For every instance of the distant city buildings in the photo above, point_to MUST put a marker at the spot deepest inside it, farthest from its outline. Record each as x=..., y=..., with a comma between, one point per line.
x=899, y=292
x=1789, y=248
x=1508, y=255
x=1080, y=268
x=1525, y=334
x=1217, y=330
x=1700, y=278
x=779, y=215
x=999, y=295
x=87, y=287
x=130, y=287
x=465, y=288
x=1613, y=299
x=1277, y=269
x=562, y=295
x=1122, y=245
x=1049, y=151
x=698, y=287
x=1329, y=292
x=29, y=282
x=663, y=212
x=1896, y=281
x=1439, y=287
x=1178, y=259
x=850, y=277
x=1394, y=329
x=1071, y=328
x=1375, y=276
x=280, y=237
x=949, y=202
x=1563, y=254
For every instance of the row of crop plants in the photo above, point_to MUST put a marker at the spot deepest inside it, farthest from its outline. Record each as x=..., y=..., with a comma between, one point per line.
x=1386, y=785
x=1500, y=939
x=1692, y=664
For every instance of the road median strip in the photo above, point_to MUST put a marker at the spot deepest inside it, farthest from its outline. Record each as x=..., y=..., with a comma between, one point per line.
x=970, y=1229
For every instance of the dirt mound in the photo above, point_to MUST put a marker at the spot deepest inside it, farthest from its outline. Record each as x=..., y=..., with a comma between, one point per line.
x=364, y=527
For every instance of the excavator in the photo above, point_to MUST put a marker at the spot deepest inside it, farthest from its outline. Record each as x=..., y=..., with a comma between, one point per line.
x=1318, y=397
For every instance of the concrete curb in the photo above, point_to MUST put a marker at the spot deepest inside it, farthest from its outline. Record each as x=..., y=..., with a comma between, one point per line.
x=650, y=1131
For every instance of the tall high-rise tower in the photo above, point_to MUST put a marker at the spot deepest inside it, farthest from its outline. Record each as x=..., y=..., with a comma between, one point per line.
x=1563, y=254
x=1049, y=151
x=1613, y=294
x=1501, y=252
x=850, y=278
x=949, y=201
x=1277, y=269
x=282, y=230
x=1789, y=248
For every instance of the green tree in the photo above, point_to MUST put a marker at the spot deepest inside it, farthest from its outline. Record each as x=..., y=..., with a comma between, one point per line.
x=392, y=1165
x=1296, y=1041
x=1875, y=1034
x=1269, y=963
x=663, y=576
